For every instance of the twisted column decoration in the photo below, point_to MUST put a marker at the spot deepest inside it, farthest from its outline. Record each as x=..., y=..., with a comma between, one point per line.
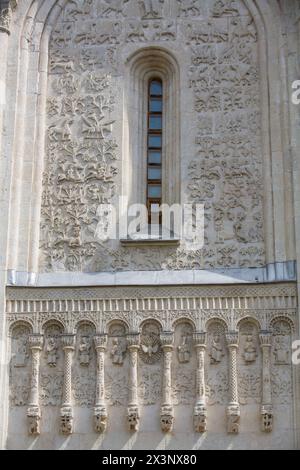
x=133, y=414
x=167, y=411
x=100, y=410
x=233, y=409
x=266, y=407
x=200, y=411
x=34, y=411
x=66, y=411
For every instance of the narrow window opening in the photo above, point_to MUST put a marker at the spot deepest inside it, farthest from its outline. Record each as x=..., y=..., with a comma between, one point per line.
x=154, y=150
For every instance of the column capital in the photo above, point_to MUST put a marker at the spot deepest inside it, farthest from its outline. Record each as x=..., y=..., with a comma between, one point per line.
x=167, y=340
x=133, y=340
x=6, y=9
x=68, y=341
x=265, y=338
x=36, y=341
x=232, y=339
x=199, y=339
x=100, y=342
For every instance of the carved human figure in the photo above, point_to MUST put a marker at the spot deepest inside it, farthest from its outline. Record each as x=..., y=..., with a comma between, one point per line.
x=216, y=350
x=117, y=352
x=281, y=351
x=250, y=352
x=184, y=351
x=151, y=8
x=51, y=351
x=21, y=355
x=84, y=351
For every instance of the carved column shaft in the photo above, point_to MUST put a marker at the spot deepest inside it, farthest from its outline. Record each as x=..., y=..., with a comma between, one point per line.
x=266, y=408
x=100, y=412
x=233, y=409
x=167, y=412
x=68, y=342
x=133, y=415
x=200, y=414
x=34, y=412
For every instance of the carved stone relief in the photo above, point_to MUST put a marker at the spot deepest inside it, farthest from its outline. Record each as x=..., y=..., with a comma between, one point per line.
x=217, y=373
x=20, y=372
x=84, y=367
x=282, y=379
x=183, y=366
x=249, y=364
x=52, y=371
x=117, y=370
x=85, y=107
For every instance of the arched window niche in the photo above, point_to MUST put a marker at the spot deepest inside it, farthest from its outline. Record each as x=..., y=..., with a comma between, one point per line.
x=143, y=67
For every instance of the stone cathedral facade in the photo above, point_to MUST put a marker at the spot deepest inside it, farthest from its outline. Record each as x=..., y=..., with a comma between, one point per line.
x=144, y=343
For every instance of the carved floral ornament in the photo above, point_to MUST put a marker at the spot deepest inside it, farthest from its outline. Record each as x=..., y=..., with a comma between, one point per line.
x=207, y=356
x=83, y=165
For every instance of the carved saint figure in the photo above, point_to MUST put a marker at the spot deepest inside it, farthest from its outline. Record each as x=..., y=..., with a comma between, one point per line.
x=84, y=351
x=21, y=354
x=250, y=349
x=184, y=352
x=51, y=352
x=281, y=351
x=117, y=352
x=216, y=351
x=151, y=8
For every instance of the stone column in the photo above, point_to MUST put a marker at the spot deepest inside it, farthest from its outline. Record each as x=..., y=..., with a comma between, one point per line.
x=200, y=411
x=133, y=414
x=66, y=411
x=167, y=411
x=100, y=411
x=266, y=407
x=233, y=409
x=34, y=411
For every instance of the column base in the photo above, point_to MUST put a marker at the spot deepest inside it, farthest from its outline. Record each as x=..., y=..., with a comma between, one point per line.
x=133, y=418
x=100, y=419
x=34, y=419
x=167, y=418
x=66, y=420
x=233, y=418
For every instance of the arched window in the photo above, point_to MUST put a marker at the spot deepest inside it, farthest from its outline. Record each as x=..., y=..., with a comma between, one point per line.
x=151, y=126
x=154, y=146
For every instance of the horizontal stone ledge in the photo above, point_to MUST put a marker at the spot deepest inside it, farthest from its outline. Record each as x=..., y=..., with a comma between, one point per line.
x=275, y=272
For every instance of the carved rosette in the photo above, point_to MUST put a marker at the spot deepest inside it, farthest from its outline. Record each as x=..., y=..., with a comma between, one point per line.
x=233, y=409
x=266, y=408
x=200, y=411
x=100, y=410
x=133, y=414
x=34, y=412
x=167, y=411
x=66, y=412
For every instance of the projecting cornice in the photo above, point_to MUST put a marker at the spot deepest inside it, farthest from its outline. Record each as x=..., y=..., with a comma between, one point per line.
x=6, y=9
